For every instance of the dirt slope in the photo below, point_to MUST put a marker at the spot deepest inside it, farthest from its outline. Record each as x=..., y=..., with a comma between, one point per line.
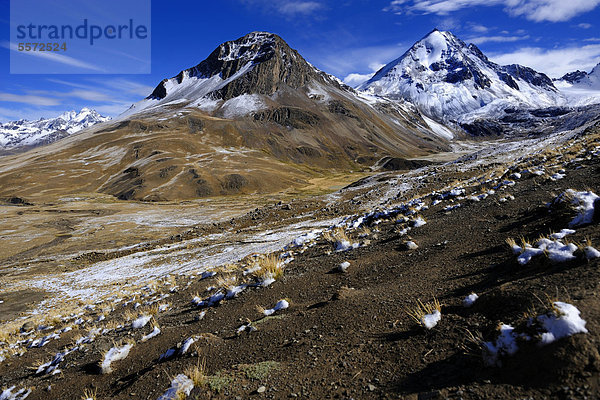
x=347, y=335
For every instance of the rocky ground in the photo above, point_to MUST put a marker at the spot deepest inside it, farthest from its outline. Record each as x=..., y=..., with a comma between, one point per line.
x=348, y=334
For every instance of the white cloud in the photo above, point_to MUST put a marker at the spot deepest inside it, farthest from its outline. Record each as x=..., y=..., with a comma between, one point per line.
x=497, y=39
x=288, y=8
x=479, y=28
x=292, y=8
x=108, y=96
x=355, y=79
x=361, y=60
x=112, y=109
x=584, y=25
x=535, y=10
x=127, y=86
x=9, y=114
x=553, y=62
x=29, y=99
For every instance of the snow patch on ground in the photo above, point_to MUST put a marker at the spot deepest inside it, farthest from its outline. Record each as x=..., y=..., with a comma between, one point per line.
x=179, y=384
x=565, y=321
x=114, y=354
x=431, y=320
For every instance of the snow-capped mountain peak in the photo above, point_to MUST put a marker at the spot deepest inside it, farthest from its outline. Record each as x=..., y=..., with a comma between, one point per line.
x=235, y=77
x=446, y=79
x=47, y=130
x=582, y=78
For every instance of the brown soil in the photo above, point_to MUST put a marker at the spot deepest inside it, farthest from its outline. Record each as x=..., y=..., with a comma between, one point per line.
x=347, y=335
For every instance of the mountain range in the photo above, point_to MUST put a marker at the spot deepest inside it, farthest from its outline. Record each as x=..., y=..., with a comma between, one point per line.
x=255, y=116
x=446, y=79
x=47, y=130
x=252, y=117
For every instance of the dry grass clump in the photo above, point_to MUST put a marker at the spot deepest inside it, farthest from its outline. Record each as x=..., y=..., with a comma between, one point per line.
x=364, y=232
x=421, y=309
x=88, y=394
x=336, y=235
x=270, y=266
x=9, y=330
x=197, y=373
x=226, y=281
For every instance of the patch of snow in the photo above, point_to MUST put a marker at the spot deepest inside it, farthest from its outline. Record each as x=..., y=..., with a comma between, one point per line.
x=179, y=384
x=155, y=332
x=505, y=345
x=418, y=222
x=562, y=233
x=8, y=394
x=565, y=322
x=438, y=128
x=470, y=300
x=584, y=203
x=242, y=105
x=281, y=305
x=343, y=266
x=591, y=252
x=185, y=346
x=141, y=321
x=114, y=354
x=410, y=245
x=431, y=320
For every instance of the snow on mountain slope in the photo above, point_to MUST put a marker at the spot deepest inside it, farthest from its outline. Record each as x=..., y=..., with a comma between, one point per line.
x=580, y=87
x=446, y=79
x=259, y=63
x=43, y=131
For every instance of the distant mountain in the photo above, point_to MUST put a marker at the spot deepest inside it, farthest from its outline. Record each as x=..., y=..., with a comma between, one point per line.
x=20, y=133
x=446, y=79
x=580, y=88
x=253, y=117
x=583, y=79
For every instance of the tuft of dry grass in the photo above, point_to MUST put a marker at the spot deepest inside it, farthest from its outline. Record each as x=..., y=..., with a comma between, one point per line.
x=130, y=315
x=421, y=309
x=270, y=266
x=197, y=373
x=337, y=234
x=364, y=231
x=88, y=394
x=226, y=282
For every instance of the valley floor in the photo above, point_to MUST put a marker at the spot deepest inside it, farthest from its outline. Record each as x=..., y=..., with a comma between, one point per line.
x=346, y=334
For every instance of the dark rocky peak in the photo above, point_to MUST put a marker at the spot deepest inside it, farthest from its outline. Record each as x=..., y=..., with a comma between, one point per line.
x=259, y=63
x=574, y=77
x=530, y=75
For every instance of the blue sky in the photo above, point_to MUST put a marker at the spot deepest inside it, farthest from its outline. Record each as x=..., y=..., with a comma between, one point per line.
x=350, y=39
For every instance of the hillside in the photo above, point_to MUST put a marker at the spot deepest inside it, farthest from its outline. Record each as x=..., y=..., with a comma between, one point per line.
x=343, y=334
x=254, y=117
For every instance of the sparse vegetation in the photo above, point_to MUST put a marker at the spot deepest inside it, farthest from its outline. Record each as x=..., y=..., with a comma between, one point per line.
x=270, y=267
x=197, y=373
x=218, y=382
x=89, y=394
x=420, y=311
x=259, y=370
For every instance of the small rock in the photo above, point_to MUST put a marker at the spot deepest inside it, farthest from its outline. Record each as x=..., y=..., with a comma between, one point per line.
x=372, y=387
x=261, y=389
